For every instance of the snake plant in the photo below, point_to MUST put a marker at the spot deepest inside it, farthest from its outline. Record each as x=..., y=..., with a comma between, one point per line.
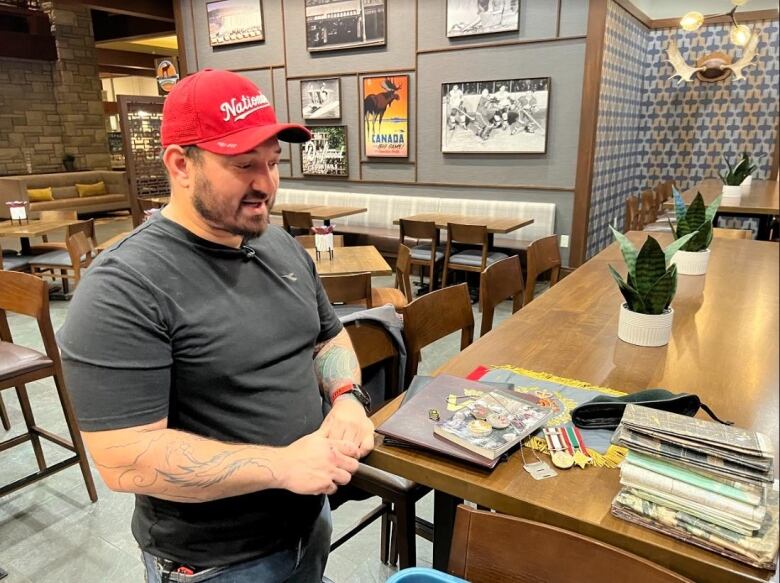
x=737, y=173
x=651, y=282
x=694, y=219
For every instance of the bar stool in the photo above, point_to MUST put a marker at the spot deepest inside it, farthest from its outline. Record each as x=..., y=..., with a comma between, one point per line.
x=28, y=295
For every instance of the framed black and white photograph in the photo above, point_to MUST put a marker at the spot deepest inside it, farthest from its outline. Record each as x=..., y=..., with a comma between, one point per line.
x=470, y=17
x=321, y=98
x=344, y=24
x=507, y=116
x=326, y=153
x=235, y=21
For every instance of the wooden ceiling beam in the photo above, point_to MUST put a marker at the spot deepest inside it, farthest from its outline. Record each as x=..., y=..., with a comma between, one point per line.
x=150, y=9
x=126, y=59
x=113, y=70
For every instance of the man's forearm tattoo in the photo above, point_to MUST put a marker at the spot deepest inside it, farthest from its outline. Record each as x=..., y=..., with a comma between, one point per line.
x=336, y=365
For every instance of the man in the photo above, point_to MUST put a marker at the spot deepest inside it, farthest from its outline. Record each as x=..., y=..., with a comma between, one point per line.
x=457, y=116
x=194, y=350
x=504, y=102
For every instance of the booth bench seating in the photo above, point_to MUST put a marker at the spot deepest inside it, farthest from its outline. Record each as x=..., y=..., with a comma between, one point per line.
x=376, y=227
x=64, y=192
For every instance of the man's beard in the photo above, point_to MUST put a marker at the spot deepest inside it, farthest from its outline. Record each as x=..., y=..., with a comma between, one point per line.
x=217, y=213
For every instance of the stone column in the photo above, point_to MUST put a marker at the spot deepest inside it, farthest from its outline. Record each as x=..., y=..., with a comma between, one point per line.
x=77, y=88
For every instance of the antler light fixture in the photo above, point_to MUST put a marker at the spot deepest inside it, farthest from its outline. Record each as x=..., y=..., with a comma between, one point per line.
x=714, y=66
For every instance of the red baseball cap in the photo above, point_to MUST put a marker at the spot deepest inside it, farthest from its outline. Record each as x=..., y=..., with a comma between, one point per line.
x=224, y=113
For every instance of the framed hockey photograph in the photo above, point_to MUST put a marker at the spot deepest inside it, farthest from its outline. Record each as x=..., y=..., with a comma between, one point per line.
x=472, y=17
x=344, y=24
x=326, y=153
x=235, y=21
x=386, y=116
x=507, y=116
x=321, y=98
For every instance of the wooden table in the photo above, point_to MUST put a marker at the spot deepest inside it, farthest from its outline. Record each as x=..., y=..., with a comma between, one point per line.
x=33, y=228
x=319, y=212
x=113, y=240
x=347, y=260
x=724, y=347
x=494, y=224
x=762, y=201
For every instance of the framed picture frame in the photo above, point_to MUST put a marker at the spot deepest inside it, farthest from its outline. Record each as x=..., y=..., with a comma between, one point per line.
x=386, y=116
x=321, y=99
x=327, y=153
x=504, y=116
x=234, y=22
x=474, y=17
x=344, y=25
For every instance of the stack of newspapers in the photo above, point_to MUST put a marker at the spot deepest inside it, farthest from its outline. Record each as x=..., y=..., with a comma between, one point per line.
x=700, y=481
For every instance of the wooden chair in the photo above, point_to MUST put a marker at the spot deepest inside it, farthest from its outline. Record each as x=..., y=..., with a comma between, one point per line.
x=433, y=316
x=307, y=241
x=543, y=255
x=540, y=553
x=11, y=261
x=400, y=295
x=373, y=346
x=649, y=208
x=426, y=255
x=139, y=208
x=732, y=233
x=87, y=227
x=353, y=288
x=297, y=222
x=27, y=295
x=68, y=262
x=633, y=220
x=499, y=281
x=470, y=260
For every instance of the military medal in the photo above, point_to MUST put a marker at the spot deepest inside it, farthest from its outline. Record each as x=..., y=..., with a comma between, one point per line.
x=479, y=428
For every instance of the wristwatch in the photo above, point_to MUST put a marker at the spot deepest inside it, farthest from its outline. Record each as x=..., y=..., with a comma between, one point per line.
x=356, y=391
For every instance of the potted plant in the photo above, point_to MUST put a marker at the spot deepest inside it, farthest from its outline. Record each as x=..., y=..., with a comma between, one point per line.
x=736, y=175
x=693, y=257
x=646, y=315
x=69, y=161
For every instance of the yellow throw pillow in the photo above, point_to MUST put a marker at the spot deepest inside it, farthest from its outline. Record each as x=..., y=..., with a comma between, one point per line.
x=91, y=189
x=40, y=194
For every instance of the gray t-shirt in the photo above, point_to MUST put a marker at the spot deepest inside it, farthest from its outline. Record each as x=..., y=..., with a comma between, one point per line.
x=221, y=342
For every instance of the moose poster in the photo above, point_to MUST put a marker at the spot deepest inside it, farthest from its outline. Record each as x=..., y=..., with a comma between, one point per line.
x=386, y=116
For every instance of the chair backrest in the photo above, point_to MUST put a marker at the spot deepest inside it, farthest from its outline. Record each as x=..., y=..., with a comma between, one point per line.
x=28, y=295
x=633, y=220
x=403, y=271
x=501, y=280
x=732, y=233
x=299, y=220
x=80, y=249
x=373, y=344
x=469, y=234
x=307, y=241
x=541, y=553
x=348, y=289
x=86, y=227
x=418, y=230
x=60, y=215
x=433, y=316
x=543, y=255
x=649, y=207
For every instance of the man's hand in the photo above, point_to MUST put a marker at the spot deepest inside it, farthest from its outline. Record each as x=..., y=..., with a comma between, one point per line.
x=315, y=464
x=347, y=421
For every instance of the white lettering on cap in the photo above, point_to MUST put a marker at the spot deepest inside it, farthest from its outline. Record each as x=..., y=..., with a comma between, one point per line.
x=239, y=109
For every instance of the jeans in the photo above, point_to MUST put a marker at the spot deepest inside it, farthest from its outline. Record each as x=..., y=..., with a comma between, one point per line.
x=303, y=564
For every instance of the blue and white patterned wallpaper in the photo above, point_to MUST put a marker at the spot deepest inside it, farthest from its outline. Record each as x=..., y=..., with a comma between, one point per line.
x=651, y=129
x=618, y=157
x=687, y=128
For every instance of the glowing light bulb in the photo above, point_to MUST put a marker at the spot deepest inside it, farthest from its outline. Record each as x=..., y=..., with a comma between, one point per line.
x=691, y=21
x=739, y=2
x=740, y=35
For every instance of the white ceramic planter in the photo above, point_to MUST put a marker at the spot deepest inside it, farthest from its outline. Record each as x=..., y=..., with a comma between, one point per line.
x=691, y=262
x=744, y=188
x=645, y=329
x=732, y=192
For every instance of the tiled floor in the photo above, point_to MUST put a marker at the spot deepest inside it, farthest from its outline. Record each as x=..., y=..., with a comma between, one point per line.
x=51, y=533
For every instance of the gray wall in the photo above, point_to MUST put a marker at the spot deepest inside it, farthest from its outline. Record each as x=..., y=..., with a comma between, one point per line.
x=417, y=46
